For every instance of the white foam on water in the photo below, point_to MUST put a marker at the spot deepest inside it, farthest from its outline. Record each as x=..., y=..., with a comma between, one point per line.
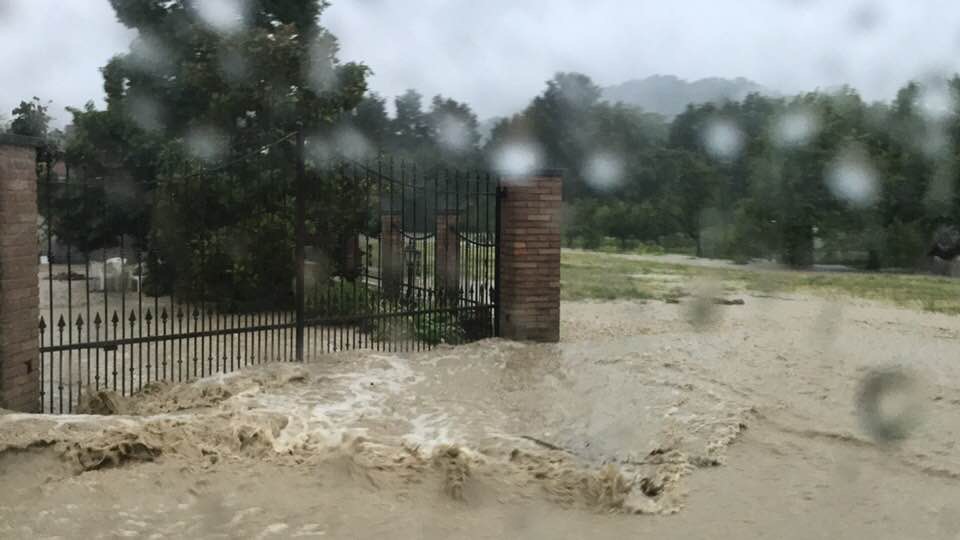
x=430, y=431
x=324, y=418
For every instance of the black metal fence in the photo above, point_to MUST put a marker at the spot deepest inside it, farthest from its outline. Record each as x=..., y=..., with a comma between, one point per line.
x=265, y=258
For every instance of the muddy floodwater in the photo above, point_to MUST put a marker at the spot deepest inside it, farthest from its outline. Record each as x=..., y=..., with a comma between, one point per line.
x=640, y=424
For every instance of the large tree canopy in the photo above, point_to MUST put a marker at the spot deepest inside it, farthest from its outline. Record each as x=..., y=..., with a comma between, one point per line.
x=276, y=70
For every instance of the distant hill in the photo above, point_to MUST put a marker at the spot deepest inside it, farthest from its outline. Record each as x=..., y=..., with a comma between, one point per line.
x=669, y=95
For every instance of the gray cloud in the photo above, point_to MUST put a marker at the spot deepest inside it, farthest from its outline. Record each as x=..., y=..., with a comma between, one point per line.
x=54, y=49
x=496, y=54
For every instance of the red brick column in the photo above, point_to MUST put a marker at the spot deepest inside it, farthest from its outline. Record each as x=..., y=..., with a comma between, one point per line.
x=19, y=260
x=529, y=261
x=447, y=271
x=391, y=249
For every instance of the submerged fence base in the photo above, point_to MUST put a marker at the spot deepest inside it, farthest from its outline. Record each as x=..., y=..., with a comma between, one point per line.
x=429, y=259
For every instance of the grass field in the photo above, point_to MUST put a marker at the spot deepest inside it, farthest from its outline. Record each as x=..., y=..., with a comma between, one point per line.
x=603, y=276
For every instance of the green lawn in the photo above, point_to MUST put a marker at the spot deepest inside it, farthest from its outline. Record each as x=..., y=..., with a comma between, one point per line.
x=602, y=276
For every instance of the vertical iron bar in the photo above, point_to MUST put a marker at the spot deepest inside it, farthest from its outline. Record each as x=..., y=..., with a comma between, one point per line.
x=86, y=280
x=60, y=325
x=401, y=342
x=301, y=233
x=97, y=323
x=217, y=339
x=461, y=279
x=436, y=243
x=412, y=339
x=488, y=299
x=123, y=312
x=156, y=306
x=501, y=193
x=377, y=322
x=66, y=187
x=354, y=242
x=478, y=283
x=49, y=223
x=140, y=321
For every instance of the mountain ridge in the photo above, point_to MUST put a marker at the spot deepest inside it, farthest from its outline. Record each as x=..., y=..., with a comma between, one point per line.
x=669, y=95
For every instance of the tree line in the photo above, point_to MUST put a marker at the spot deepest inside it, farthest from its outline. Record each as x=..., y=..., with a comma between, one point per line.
x=821, y=176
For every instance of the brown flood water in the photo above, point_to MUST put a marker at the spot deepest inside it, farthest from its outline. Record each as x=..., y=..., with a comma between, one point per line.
x=638, y=424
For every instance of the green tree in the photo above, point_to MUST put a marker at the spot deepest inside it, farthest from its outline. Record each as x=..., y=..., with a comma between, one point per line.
x=188, y=97
x=30, y=119
x=411, y=128
x=454, y=129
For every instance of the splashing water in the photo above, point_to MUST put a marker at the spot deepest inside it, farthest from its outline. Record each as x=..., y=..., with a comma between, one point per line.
x=604, y=171
x=723, y=139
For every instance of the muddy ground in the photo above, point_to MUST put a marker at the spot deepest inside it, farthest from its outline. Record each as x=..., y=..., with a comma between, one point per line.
x=648, y=420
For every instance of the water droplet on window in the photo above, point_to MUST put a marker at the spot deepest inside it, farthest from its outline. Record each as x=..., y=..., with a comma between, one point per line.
x=224, y=16
x=852, y=178
x=604, y=171
x=145, y=113
x=723, y=139
x=517, y=159
x=453, y=133
x=796, y=128
x=206, y=143
x=889, y=404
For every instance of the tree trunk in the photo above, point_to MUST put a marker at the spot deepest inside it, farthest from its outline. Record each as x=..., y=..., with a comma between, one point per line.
x=798, y=246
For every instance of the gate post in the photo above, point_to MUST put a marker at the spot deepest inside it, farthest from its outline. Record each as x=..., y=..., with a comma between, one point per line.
x=391, y=238
x=447, y=256
x=528, y=262
x=19, y=266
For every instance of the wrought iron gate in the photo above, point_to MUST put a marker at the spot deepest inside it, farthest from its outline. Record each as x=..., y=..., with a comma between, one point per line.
x=270, y=257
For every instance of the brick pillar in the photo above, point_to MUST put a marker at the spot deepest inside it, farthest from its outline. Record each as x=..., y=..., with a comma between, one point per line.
x=447, y=264
x=529, y=261
x=391, y=249
x=19, y=289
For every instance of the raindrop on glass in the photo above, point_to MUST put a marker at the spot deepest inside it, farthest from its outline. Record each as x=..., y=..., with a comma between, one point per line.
x=517, y=159
x=206, y=144
x=604, y=171
x=852, y=178
x=226, y=16
x=796, y=128
x=723, y=139
x=453, y=133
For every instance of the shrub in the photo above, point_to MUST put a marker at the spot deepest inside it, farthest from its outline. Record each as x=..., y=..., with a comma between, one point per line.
x=351, y=301
x=437, y=328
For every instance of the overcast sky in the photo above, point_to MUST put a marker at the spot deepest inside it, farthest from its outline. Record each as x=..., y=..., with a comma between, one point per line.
x=496, y=54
